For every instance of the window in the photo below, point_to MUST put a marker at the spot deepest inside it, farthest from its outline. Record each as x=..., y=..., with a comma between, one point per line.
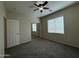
x=56, y=25
x=34, y=27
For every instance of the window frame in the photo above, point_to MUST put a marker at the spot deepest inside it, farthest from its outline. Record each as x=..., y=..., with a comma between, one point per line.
x=55, y=26
x=35, y=27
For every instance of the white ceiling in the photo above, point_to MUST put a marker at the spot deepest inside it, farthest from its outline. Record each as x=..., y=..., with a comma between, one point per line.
x=23, y=7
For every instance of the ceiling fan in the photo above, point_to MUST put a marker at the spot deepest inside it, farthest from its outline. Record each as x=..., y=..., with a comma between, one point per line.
x=41, y=6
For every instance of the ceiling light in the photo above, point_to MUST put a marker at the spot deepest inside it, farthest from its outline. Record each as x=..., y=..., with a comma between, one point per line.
x=41, y=8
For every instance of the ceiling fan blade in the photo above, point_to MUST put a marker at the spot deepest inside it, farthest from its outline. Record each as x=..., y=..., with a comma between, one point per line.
x=31, y=6
x=45, y=3
x=40, y=5
x=35, y=5
x=45, y=8
x=36, y=9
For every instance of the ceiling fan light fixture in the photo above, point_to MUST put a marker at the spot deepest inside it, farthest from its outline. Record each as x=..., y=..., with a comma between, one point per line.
x=41, y=8
x=41, y=11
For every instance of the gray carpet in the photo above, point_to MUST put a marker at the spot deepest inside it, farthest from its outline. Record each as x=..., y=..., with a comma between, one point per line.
x=41, y=48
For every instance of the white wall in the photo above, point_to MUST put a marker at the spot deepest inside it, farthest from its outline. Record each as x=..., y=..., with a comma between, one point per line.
x=2, y=13
x=1, y=36
x=25, y=29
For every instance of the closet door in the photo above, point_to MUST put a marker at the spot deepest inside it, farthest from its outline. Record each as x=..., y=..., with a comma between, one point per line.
x=13, y=35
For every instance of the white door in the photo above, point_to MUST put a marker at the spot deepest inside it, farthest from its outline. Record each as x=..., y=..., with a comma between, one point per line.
x=13, y=36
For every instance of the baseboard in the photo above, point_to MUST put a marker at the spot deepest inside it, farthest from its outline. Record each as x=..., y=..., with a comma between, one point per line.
x=64, y=43
x=18, y=45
